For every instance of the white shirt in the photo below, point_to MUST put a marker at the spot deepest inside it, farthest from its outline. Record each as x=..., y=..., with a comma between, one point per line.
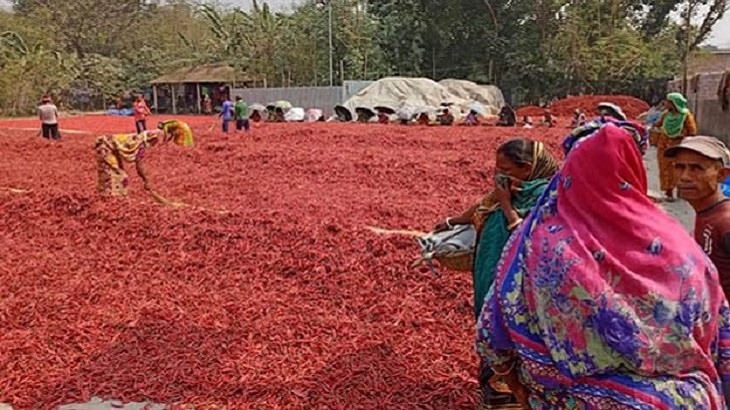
x=48, y=114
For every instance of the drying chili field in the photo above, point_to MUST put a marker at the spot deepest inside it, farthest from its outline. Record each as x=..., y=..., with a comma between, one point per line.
x=266, y=291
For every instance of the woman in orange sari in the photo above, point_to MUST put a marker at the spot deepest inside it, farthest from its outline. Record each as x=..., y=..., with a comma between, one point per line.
x=676, y=123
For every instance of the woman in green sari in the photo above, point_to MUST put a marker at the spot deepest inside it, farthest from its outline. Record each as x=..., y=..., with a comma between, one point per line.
x=523, y=171
x=676, y=123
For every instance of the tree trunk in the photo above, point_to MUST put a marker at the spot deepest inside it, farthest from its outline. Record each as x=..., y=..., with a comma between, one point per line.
x=433, y=62
x=686, y=48
x=342, y=72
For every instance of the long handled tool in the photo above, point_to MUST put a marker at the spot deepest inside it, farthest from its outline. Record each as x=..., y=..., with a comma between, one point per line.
x=164, y=201
x=215, y=122
x=15, y=190
x=409, y=233
x=65, y=131
x=381, y=231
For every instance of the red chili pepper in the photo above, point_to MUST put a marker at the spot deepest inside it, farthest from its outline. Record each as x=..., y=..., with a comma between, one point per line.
x=287, y=301
x=631, y=106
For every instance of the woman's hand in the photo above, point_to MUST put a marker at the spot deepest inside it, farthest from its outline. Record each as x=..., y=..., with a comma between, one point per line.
x=504, y=196
x=442, y=226
x=450, y=223
x=463, y=219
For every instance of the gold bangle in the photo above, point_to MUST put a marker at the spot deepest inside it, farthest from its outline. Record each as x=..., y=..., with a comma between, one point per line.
x=506, y=372
x=514, y=224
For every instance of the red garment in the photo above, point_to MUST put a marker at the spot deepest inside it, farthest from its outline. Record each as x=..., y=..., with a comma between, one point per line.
x=712, y=232
x=141, y=110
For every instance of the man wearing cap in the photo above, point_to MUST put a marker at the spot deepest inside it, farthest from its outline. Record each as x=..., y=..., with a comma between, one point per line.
x=700, y=165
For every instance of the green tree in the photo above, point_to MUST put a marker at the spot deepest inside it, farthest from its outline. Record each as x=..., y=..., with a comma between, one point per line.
x=30, y=71
x=402, y=28
x=690, y=36
x=86, y=26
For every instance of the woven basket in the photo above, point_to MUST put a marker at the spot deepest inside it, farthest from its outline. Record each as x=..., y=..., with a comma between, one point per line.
x=461, y=261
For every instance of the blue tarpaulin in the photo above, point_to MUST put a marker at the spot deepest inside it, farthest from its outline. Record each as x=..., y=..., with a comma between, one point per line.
x=125, y=112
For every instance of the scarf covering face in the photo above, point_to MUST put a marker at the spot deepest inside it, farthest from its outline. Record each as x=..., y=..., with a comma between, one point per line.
x=673, y=124
x=601, y=294
x=490, y=222
x=544, y=166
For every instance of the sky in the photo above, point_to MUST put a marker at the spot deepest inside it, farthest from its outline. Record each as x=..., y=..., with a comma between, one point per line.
x=720, y=36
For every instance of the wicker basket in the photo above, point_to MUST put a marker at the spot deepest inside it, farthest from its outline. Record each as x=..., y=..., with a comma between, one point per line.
x=460, y=261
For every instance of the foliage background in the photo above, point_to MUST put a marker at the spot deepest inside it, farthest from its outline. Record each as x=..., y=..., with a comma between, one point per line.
x=535, y=50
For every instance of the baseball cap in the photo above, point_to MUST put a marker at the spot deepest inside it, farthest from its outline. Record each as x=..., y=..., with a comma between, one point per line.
x=709, y=147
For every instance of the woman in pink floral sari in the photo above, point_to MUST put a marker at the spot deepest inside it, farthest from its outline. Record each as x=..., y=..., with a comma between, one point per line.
x=603, y=301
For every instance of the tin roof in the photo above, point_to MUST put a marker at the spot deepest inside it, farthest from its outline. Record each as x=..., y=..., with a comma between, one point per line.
x=212, y=73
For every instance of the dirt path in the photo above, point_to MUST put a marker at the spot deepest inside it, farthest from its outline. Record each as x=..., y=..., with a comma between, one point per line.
x=61, y=131
x=62, y=114
x=679, y=209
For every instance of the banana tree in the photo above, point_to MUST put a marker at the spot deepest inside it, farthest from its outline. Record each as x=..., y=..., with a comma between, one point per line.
x=30, y=71
x=262, y=33
x=225, y=45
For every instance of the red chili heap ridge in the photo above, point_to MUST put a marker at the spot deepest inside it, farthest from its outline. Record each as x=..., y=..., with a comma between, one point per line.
x=632, y=106
x=530, y=111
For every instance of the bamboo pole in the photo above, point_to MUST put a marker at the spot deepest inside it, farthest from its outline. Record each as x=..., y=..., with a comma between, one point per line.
x=174, y=99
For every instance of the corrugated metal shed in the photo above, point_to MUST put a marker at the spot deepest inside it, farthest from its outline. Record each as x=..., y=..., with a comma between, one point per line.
x=324, y=98
x=353, y=87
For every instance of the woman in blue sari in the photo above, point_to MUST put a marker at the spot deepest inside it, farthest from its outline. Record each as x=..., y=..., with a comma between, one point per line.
x=523, y=170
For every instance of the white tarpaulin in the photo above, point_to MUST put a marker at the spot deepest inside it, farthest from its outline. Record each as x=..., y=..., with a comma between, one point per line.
x=488, y=96
x=409, y=94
